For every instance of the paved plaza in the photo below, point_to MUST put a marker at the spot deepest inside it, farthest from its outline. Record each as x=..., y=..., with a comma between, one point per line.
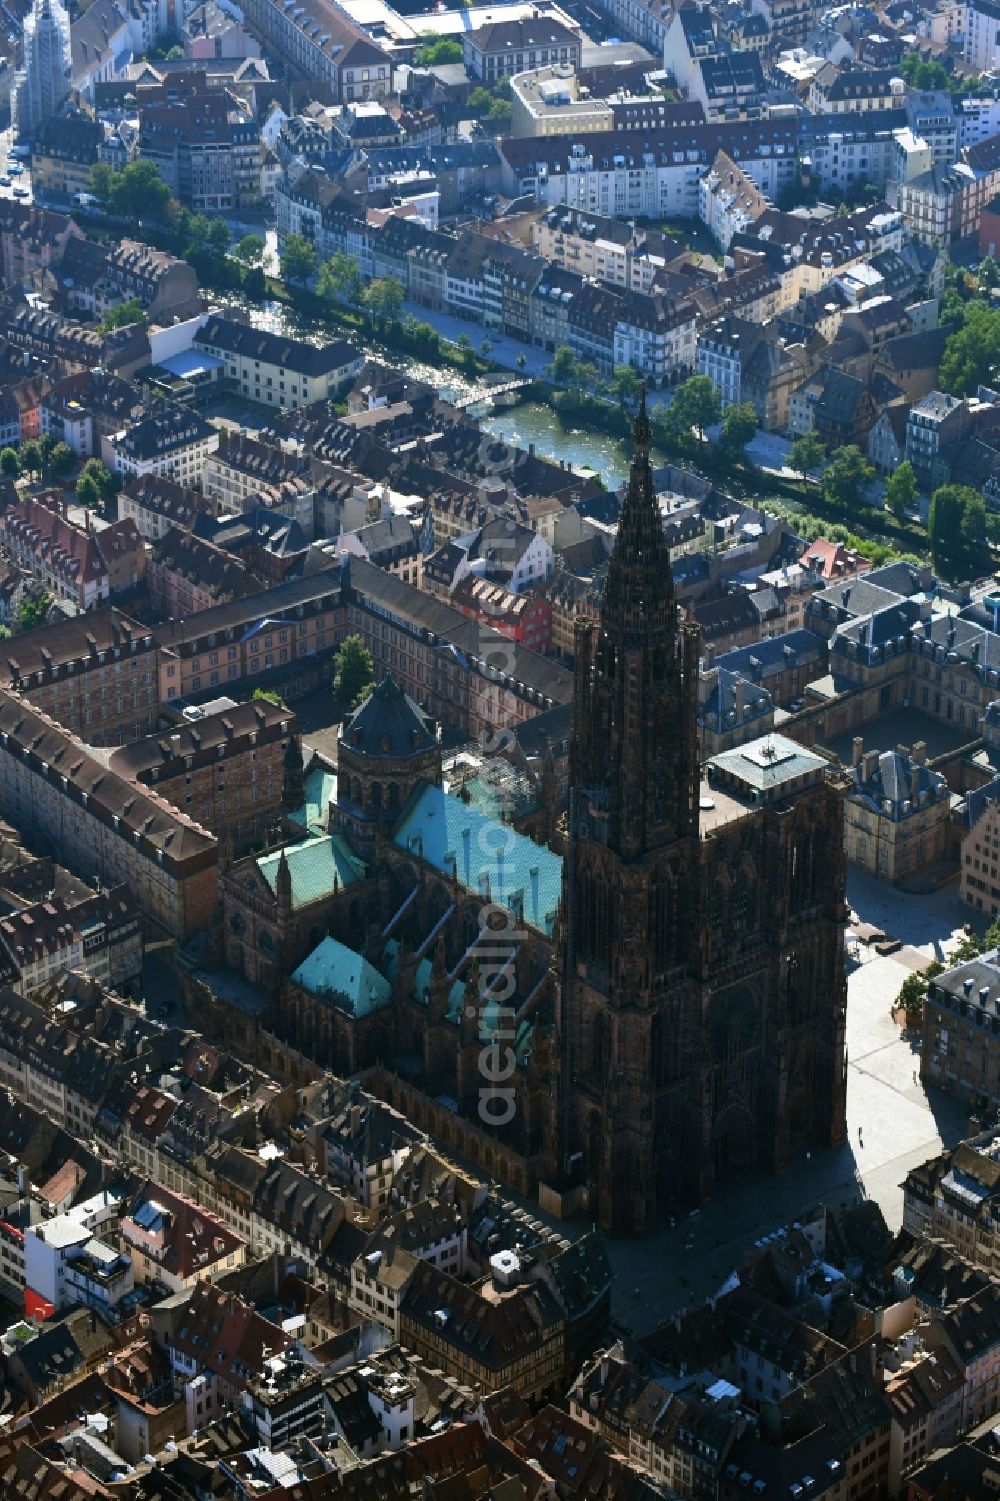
x=892, y=1125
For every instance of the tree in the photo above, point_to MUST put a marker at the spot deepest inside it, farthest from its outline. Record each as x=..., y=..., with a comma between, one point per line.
x=913, y=993
x=988, y=275
x=901, y=491
x=298, y=260
x=384, y=299
x=107, y=482
x=353, y=673
x=31, y=457
x=87, y=492
x=10, y=464
x=739, y=425
x=846, y=478
x=806, y=454
x=125, y=313
x=249, y=251
x=33, y=612
x=480, y=102
x=269, y=696
x=62, y=460
x=956, y=525
x=339, y=279
x=255, y=283
x=102, y=181
x=436, y=50
x=564, y=366
x=218, y=235
x=972, y=353
x=695, y=405
x=626, y=385
x=140, y=191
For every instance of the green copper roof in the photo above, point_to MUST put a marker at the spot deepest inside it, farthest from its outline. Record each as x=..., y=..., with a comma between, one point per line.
x=315, y=866
x=321, y=786
x=484, y=855
x=334, y=971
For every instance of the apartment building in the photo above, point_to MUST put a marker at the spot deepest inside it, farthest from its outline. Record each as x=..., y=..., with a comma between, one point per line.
x=81, y=566
x=170, y=441
x=98, y=934
x=97, y=676
x=499, y=49
x=186, y=575
x=156, y=505
x=230, y=771
x=979, y=814
x=606, y=250
x=204, y=143
x=897, y=813
x=275, y=370
x=320, y=40
x=104, y=825
x=83, y=408
x=241, y=469
x=955, y=1196
x=548, y=101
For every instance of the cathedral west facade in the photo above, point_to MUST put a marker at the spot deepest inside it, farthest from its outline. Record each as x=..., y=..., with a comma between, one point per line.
x=673, y=1006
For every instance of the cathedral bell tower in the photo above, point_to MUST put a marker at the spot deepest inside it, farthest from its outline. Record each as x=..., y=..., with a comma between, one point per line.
x=630, y=896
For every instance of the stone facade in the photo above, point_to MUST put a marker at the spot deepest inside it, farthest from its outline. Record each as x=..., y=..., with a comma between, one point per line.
x=699, y=975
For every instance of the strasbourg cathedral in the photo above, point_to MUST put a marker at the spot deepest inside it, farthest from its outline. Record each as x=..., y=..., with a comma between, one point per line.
x=676, y=999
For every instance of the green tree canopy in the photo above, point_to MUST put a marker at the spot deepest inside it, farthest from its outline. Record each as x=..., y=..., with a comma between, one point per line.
x=121, y=316
x=61, y=460
x=249, y=251
x=739, y=425
x=695, y=405
x=901, y=491
x=626, y=386
x=847, y=477
x=10, y=464
x=972, y=353
x=30, y=456
x=140, y=191
x=956, y=525
x=806, y=454
x=87, y=492
x=339, y=279
x=384, y=299
x=298, y=260
x=108, y=483
x=354, y=672
x=33, y=612
x=437, y=50
x=102, y=182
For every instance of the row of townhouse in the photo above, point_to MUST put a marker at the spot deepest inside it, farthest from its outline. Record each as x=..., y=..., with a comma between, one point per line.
x=519, y=293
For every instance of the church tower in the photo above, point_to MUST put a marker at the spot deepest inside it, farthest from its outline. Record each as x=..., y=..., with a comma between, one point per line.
x=631, y=871
x=698, y=978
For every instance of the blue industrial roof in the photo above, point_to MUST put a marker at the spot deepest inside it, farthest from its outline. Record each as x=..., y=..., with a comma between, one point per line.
x=316, y=866
x=344, y=977
x=483, y=855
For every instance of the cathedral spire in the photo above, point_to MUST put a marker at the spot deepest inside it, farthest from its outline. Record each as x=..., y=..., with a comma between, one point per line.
x=639, y=590
x=635, y=737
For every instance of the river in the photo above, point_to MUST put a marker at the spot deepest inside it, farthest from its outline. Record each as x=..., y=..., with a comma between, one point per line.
x=531, y=422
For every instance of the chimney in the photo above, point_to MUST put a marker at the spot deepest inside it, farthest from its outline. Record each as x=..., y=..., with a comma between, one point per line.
x=919, y=754
x=870, y=764
x=914, y=782
x=858, y=748
x=740, y=692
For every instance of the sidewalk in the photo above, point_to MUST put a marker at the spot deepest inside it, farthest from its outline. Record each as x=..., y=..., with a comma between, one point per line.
x=503, y=351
